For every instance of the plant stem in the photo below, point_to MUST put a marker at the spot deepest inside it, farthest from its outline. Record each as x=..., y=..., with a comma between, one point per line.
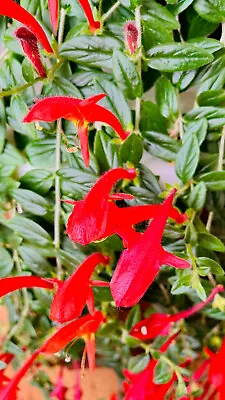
x=25, y=311
x=139, y=58
x=19, y=88
x=110, y=11
x=57, y=166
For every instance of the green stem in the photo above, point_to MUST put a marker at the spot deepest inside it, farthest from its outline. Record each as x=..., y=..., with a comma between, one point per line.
x=110, y=11
x=19, y=89
x=57, y=167
x=139, y=60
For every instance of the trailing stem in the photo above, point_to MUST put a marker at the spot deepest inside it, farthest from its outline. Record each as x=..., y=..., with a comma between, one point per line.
x=139, y=58
x=57, y=166
x=110, y=11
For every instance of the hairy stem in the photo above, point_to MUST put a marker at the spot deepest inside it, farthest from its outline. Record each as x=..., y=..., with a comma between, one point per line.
x=139, y=58
x=110, y=11
x=57, y=166
x=19, y=89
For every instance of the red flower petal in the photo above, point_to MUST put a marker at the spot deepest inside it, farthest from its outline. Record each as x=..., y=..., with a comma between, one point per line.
x=29, y=44
x=13, y=10
x=79, y=328
x=160, y=324
x=59, y=390
x=140, y=264
x=53, y=6
x=89, y=217
x=94, y=25
x=72, y=295
x=8, y=285
x=82, y=131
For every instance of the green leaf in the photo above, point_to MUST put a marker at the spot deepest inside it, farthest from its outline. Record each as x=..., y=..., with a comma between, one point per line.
x=154, y=33
x=166, y=98
x=34, y=260
x=38, y=180
x=151, y=118
x=162, y=373
x=212, y=45
x=210, y=10
x=212, y=98
x=210, y=242
x=159, y=13
x=196, y=128
x=184, y=79
x=214, y=180
x=29, y=230
x=187, y=159
x=126, y=75
x=61, y=87
x=16, y=112
x=213, y=75
x=214, y=115
x=131, y=149
x=6, y=263
x=214, y=267
x=41, y=153
x=138, y=363
x=197, y=197
x=2, y=125
x=75, y=183
x=133, y=317
x=196, y=284
x=178, y=57
x=180, y=6
x=106, y=153
x=93, y=51
x=27, y=70
x=114, y=101
x=31, y=201
x=162, y=145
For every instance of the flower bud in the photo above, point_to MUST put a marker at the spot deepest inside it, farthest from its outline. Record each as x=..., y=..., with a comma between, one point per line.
x=131, y=36
x=30, y=47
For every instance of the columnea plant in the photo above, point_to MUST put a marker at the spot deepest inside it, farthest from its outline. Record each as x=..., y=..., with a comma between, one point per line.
x=112, y=138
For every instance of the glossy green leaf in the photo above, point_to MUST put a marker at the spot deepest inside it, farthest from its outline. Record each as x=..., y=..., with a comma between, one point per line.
x=155, y=10
x=94, y=51
x=31, y=201
x=38, y=180
x=211, y=242
x=131, y=149
x=166, y=98
x=197, y=197
x=106, y=152
x=214, y=180
x=155, y=33
x=30, y=230
x=178, y=57
x=162, y=373
x=214, y=267
x=6, y=262
x=211, y=10
x=187, y=159
x=126, y=75
x=196, y=128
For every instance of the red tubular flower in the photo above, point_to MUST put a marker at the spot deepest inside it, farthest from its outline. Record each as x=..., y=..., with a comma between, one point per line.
x=59, y=390
x=77, y=389
x=216, y=370
x=9, y=391
x=8, y=285
x=53, y=6
x=84, y=327
x=131, y=36
x=93, y=25
x=30, y=47
x=88, y=223
x=160, y=324
x=140, y=263
x=80, y=112
x=71, y=295
x=142, y=386
x=89, y=219
x=11, y=9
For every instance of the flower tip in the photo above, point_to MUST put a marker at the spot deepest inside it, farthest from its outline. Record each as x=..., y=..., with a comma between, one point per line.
x=220, y=288
x=95, y=26
x=106, y=260
x=132, y=173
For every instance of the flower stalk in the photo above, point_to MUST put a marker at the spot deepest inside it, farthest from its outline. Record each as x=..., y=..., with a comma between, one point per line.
x=139, y=58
